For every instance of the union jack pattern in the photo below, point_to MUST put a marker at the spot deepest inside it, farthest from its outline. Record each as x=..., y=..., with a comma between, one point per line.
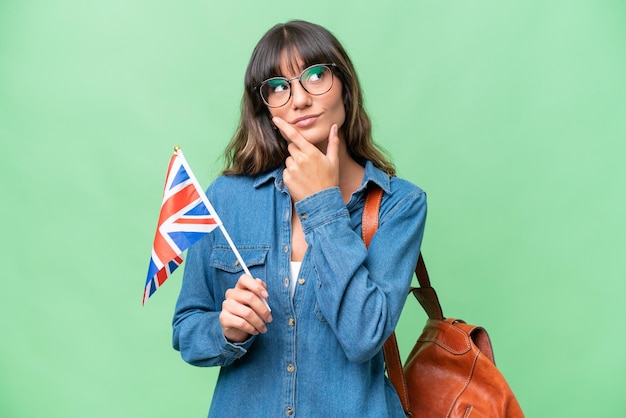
x=186, y=216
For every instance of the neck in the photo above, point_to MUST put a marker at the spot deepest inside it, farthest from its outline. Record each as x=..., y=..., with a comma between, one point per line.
x=350, y=172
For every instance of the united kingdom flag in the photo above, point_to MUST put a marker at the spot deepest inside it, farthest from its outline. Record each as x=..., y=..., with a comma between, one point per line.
x=186, y=216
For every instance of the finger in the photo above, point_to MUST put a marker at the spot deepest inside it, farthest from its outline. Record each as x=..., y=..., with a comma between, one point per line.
x=243, y=316
x=332, y=150
x=246, y=301
x=256, y=286
x=290, y=133
x=261, y=288
x=234, y=324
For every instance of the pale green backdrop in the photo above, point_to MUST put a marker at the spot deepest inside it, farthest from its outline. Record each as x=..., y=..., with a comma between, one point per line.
x=510, y=114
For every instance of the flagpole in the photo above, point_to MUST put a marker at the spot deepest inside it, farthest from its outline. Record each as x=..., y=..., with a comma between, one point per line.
x=205, y=199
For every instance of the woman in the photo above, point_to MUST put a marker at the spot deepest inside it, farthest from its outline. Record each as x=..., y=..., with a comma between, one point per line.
x=291, y=198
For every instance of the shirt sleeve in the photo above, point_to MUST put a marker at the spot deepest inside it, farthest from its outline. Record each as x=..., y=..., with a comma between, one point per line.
x=197, y=332
x=361, y=292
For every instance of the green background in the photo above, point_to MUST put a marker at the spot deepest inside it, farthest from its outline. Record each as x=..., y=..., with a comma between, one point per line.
x=511, y=115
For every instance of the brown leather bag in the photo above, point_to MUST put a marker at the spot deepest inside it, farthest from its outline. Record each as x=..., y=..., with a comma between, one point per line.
x=451, y=371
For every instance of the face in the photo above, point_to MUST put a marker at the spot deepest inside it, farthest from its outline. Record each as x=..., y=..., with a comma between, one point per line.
x=310, y=114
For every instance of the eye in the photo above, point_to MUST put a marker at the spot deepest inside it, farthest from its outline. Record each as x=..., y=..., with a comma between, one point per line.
x=315, y=73
x=277, y=85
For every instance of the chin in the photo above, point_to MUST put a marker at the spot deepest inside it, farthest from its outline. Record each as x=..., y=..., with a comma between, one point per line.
x=316, y=140
x=315, y=136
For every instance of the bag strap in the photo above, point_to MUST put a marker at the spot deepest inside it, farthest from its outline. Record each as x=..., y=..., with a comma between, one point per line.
x=390, y=348
x=425, y=294
x=371, y=208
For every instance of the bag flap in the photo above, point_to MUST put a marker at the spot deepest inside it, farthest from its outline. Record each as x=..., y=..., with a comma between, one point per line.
x=480, y=338
x=446, y=335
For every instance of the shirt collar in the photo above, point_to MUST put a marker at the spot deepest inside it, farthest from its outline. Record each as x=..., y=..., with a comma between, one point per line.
x=276, y=175
x=372, y=174
x=376, y=176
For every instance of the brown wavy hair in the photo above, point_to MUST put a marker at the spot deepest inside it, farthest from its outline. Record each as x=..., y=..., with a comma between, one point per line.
x=256, y=146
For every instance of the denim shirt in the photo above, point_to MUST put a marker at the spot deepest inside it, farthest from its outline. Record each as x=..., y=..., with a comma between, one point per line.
x=322, y=354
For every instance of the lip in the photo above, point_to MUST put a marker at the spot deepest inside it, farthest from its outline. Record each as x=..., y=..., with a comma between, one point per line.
x=305, y=121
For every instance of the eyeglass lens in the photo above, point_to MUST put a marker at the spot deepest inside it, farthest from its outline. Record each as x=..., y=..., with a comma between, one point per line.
x=317, y=79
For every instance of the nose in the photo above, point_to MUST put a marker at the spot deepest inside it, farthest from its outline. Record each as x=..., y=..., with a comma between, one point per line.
x=299, y=96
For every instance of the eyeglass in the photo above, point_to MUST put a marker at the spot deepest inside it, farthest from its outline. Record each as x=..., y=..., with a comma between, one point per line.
x=316, y=80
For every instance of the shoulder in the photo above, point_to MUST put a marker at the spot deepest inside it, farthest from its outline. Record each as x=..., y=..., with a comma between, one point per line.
x=395, y=189
x=237, y=195
x=403, y=198
x=231, y=186
x=225, y=182
x=402, y=186
x=237, y=182
x=391, y=185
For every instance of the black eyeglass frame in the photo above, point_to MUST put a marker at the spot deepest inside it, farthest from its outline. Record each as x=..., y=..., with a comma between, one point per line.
x=330, y=66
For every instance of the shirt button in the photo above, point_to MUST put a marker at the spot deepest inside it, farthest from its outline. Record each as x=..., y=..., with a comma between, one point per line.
x=301, y=280
x=304, y=217
x=290, y=368
x=286, y=281
x=289, y=411
x=286, y=248
x=292, y=322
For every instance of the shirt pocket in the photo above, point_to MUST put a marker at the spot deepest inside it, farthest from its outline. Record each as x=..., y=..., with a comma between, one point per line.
x=318, y=313
x=227, y=265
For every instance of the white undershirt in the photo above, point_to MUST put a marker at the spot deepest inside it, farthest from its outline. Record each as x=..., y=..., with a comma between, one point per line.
x=294, y=270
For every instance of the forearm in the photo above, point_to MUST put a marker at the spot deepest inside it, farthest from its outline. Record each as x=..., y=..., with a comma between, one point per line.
x=199, y=338
x=197, y=332
x=360, y=292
